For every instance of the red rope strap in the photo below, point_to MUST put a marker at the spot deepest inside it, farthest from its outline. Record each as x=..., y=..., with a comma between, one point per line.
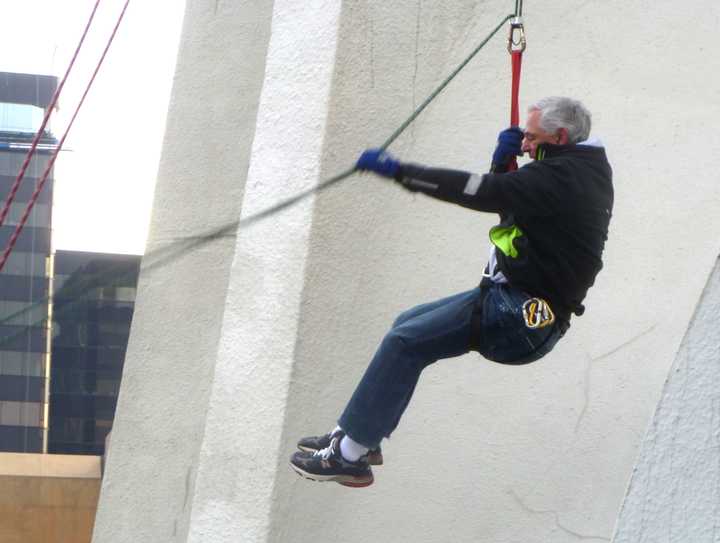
x=516, y=57
x=41, y=182
x=41, y=130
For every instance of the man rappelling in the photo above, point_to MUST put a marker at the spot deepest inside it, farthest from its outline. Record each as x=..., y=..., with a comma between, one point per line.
x=545, y=254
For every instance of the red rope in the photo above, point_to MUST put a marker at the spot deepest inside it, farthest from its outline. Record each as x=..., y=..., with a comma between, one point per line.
x=516, y=57
x=46, y=118
x=54, y=156
x=514, y=109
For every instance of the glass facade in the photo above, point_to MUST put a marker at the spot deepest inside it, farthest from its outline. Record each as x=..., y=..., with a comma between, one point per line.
x=21, y=117
x=24, y=281
x=93, y=302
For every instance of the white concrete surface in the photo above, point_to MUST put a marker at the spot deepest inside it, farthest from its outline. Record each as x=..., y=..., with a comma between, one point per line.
x=248, y=404
x=541, y=453
x=674, y=495
x=152, y=466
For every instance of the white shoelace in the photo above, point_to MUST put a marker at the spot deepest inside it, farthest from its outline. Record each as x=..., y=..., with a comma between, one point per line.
x=324, y=453
x=327, y=451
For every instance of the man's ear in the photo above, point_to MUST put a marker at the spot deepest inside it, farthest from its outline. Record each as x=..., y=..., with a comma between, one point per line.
x=562, y=136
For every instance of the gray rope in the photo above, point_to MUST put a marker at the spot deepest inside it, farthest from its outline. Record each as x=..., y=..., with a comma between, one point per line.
x=167, y=254
x=414, y=115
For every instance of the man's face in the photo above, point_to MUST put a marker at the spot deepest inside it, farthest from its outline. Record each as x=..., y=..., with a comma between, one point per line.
x=534, y=135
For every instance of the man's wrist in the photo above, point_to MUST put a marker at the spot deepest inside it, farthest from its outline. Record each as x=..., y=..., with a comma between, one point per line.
x=499, y=168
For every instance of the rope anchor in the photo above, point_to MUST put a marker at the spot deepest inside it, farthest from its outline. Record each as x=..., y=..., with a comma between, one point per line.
x=519, y=43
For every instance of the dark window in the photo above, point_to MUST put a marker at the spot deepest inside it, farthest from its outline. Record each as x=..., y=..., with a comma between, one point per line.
x=34, y=240
x=21, y=439
x=27, y=187
x=68, y=405
x=22, y=288
x=76, y=448
x=23, y=338
x=22, y=389
x=108, y=360
x=84, y=383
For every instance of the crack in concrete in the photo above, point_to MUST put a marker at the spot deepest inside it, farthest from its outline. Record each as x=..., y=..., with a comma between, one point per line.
x=185, y=499
x=415, y=70
x=588, y=369
x=372, y=51
x=417, y=48
x=625, y=344
x=586, y=393
x=187, y=487
x=527, y=509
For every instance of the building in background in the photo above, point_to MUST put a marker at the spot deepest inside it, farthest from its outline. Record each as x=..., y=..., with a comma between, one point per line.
x=93, y=302
x=24, y=306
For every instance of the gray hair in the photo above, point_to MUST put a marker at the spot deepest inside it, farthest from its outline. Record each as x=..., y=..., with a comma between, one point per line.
x=561, y=112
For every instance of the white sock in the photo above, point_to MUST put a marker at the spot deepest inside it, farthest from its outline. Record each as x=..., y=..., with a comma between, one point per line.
x=335, y=430
x=352, y=450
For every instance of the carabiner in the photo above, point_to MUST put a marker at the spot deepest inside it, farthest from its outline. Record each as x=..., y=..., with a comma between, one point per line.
x=516, y=25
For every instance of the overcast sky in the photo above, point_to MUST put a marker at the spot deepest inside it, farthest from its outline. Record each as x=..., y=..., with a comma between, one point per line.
x=104, y=182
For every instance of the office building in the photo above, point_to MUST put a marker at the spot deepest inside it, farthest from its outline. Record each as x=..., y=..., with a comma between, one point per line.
x=24, y=281
x=93, y=302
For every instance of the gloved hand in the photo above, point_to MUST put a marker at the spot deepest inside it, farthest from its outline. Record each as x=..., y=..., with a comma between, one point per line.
x=509, y=145
x=378, y=161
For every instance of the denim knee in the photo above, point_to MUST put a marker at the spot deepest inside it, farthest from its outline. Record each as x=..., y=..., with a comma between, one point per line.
x=402, y=317
x=395, y=341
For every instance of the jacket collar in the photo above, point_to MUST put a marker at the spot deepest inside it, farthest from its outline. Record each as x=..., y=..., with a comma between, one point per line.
x=547, y=150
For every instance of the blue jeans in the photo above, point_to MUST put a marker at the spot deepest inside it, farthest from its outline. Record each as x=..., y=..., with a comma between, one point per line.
x=487, y=319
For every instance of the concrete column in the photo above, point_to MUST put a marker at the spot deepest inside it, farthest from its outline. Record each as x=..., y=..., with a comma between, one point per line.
x=237, y=467
x=151, y=469
x=674, y=494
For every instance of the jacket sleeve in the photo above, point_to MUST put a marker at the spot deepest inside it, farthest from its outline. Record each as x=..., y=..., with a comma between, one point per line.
x=534, y=189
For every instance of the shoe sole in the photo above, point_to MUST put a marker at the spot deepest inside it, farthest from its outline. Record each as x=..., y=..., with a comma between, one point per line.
x=344, y=480
x=373, y=458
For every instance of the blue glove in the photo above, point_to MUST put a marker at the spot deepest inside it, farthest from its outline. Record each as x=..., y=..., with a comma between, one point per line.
x=378, y=161
x=509, y=145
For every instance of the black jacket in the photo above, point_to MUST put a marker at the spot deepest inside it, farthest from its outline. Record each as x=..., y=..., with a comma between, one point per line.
x=554, y=214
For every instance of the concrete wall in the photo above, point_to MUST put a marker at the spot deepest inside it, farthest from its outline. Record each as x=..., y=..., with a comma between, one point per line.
x=243, y=345
x=674, y=494
x=170, y=363
x=48, y=497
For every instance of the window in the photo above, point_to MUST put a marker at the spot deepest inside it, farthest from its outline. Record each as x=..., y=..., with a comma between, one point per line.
x=21, y=363
x=20, y=118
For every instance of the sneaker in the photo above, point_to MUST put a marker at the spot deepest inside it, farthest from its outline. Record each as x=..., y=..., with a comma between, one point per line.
x=317, y=443
x=329, y=465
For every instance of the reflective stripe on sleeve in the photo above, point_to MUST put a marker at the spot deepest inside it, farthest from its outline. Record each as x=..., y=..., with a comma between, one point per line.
x=473, y=185
x=420, y=185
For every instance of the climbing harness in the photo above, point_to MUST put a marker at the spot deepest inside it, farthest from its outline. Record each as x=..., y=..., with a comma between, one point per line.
x=53, y=157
